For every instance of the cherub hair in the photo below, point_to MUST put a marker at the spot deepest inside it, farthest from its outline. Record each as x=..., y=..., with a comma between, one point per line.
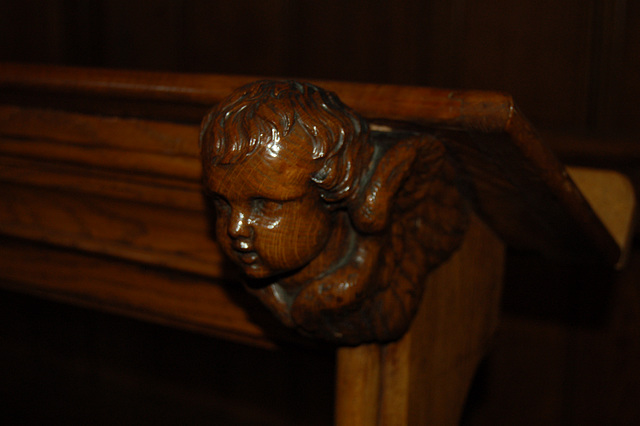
x=256, y=114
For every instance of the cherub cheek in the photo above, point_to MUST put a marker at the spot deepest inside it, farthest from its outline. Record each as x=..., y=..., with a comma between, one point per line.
x=266, y=223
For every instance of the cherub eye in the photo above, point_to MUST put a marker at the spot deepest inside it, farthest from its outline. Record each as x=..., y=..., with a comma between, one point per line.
x=221, y=204
x=266, y=207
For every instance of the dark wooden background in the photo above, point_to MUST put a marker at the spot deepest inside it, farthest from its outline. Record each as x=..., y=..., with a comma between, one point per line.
x=568, y=349
x=571, y=64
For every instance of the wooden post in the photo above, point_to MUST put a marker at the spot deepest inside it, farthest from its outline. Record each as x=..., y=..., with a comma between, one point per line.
x=358, y=385
x=424, y=377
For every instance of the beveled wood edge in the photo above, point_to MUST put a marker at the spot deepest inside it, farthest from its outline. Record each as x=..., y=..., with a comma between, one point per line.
x=613, y=199
x=474, y=110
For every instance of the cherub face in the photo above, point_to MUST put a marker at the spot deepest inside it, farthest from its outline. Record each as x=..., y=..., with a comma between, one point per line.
x=270, y=217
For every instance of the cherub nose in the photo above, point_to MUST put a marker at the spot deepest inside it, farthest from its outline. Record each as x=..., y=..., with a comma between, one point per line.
x=239, y=226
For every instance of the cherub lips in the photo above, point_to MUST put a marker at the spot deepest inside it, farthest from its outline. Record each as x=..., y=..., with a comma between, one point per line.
x=245, y=252
x=248, y=258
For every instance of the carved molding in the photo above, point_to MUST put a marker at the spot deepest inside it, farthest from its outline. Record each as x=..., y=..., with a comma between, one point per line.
x=335, y=222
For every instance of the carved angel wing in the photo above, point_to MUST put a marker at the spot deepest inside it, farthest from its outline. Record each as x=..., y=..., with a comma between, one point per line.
x=408, y=219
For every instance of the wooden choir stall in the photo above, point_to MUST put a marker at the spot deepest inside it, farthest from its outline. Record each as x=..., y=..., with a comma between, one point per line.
x=366, y=220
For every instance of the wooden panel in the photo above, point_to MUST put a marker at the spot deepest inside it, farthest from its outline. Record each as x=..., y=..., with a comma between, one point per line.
x=130, y=161
x=158, y=295
x=567, y=349
x=620, y=110
x=82, y=180
x=142, y=34
x=79, y=366
x=240, y=37
x=537, y=50
x=128, y=188
x=161, y=236
x=33, y=31
x=99, y=132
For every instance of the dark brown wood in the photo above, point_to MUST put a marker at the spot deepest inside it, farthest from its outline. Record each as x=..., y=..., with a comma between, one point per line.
x=168, y=297
x=335, y=226
x=104, y=208
x=572, y=65
x=135, y=166
x=486, y=122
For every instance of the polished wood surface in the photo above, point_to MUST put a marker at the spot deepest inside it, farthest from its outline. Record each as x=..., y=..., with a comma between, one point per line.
x=169, y=297
x=334, y=225
x=404, y=382
x=481, y=122
x=573, y=68
x=144, y=160
x=98, y=180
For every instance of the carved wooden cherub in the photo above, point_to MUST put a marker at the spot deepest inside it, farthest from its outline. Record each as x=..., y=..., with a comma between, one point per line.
x=334, y=224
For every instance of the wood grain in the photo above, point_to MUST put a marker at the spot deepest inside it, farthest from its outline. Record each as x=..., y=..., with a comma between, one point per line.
x=423, y=378
x=491, y=119
x=106, y=161
x=159, y=295
x=101, y=184
x=99, y=131
x=151, y=234
x=358, y=385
